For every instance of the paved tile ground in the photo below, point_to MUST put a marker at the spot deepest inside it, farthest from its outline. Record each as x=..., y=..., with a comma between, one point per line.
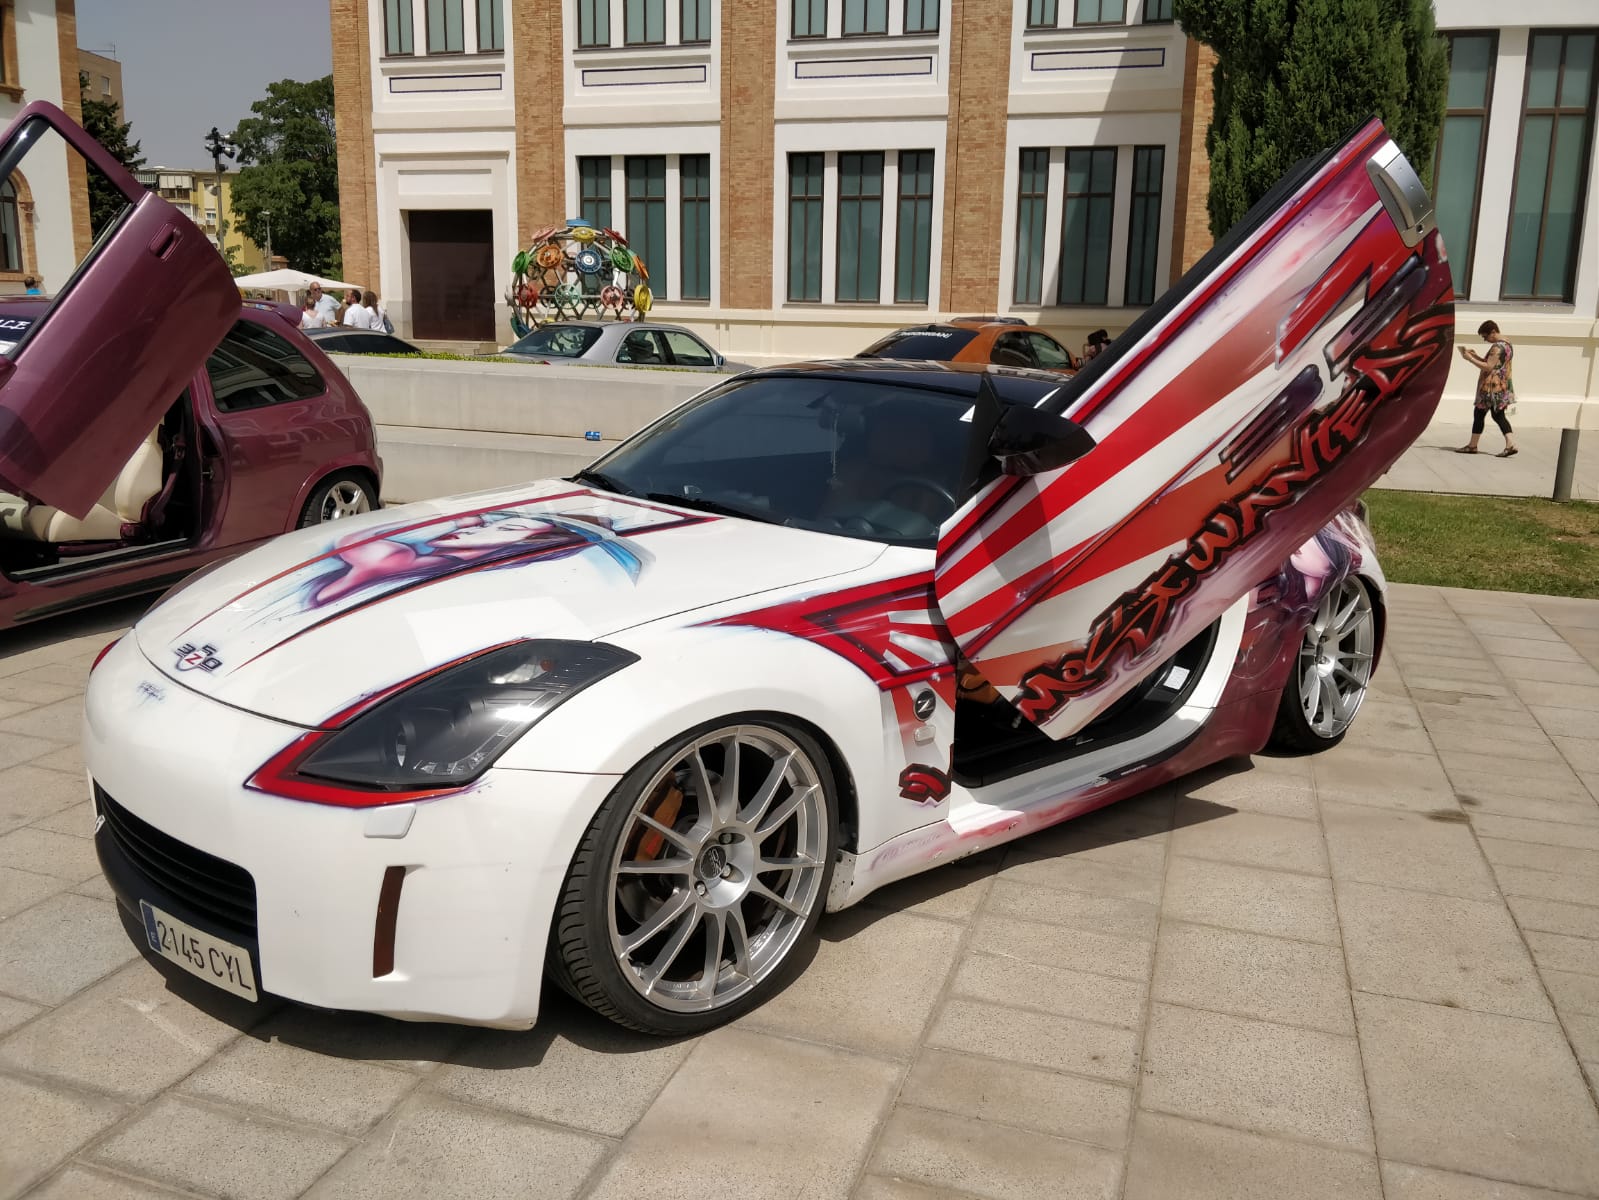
x=1374, y=973
x=1432, y=466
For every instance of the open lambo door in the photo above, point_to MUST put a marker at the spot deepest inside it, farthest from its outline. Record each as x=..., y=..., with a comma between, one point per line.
x=135, y=300
x=1273, y=384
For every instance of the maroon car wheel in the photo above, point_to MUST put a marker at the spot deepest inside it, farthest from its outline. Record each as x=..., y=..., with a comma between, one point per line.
x=336, y=498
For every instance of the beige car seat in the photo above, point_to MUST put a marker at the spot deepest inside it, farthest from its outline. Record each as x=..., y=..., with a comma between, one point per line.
x=123, y=502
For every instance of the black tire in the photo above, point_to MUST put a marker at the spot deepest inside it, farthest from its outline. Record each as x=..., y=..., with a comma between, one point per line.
x=317, y=504
x=579, y=957
x=1292, y=730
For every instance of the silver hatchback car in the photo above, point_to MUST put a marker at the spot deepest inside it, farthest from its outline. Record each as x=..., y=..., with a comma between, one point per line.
x=620, y=344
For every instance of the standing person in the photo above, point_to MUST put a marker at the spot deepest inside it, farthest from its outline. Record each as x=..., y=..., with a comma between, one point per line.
x=1097, y=341
x=31, y=287
x=310, y=316
x=326, y=305
x=356, y=314
x=379, y=319
x=1496, y=393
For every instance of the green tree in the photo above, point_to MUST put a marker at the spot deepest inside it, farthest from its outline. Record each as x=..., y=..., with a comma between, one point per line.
x=289, y=168
x=103, y=120
x=1292, y=77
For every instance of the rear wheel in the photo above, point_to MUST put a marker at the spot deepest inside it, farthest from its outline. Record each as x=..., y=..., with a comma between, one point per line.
x=701, y=878
x=336, y=498
x=1332, y=671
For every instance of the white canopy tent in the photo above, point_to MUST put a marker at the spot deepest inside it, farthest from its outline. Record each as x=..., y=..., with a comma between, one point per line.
x=286, y=279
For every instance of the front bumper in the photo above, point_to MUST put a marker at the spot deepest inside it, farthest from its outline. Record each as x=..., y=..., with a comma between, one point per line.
x=482, y=869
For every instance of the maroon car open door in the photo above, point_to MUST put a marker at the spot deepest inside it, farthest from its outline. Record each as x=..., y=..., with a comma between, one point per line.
x=137, y=299
x=1267, y=390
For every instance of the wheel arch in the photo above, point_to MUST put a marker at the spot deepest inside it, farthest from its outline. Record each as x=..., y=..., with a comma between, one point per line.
x=349, y=466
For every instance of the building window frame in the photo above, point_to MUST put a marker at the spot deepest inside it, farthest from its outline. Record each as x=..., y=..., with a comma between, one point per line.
x=855, y=208
x=1097, y=8
x=11, y=256
x=1043, y=14
x=439, y=13
x=814, y=25
x=1141, y=283
x=399, y=35
x=594, y=189
x=694, y=22
x=490, y=17
x=1157, y=12
x=593, y=24
x=915, y=193
x=646, y=214
x=1078, y=273
x=924, y=25
x=807, y=187
x=864, y=18
x=1032, y=216
x=1554, y=112
x=638, y=18
x=694, y=226
x=1465, y=254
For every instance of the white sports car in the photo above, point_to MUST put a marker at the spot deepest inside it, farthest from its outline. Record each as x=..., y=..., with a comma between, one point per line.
x=821, y=628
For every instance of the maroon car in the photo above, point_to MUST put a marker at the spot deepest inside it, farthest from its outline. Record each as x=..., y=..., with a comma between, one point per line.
x=124, y=475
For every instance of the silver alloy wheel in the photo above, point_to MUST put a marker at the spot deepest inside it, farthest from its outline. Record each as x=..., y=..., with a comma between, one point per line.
x=1335, y=658
x=718, y=869
x=346, y=498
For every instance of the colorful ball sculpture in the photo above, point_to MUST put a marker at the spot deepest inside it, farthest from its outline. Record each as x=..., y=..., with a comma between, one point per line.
x=577, y=271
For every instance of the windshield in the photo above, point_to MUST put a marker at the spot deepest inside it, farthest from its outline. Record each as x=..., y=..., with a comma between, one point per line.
x=939, y=345
x=857, y=457
x=558, y=341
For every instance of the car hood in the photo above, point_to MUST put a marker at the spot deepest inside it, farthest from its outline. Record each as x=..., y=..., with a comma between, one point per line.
x=315, y=621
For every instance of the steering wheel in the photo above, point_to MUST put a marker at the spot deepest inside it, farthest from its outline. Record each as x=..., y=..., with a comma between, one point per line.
x=916, y=482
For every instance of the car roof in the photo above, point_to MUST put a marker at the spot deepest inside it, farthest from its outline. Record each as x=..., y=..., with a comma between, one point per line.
x=627, y=325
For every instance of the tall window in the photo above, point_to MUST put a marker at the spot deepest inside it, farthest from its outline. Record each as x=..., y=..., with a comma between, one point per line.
x=1100, y=12
x=397, y=27
x=1042, y=14
x=646, y=215
x=10, y=229
x=490, y=25
x=694, y=176
x=860, y=227
x=810, y=19
x=696, y=21
x=921, y=16
x=644, y=23
x=915, y=221
x=1143, y=233
x=1462, y=144
x=445, y=31
x=593, y=23
x=1551, y=167
x=805, y=173
x=865, y=17
x=1086, y=225
x=1157, y=12
x=594, y=196
x=1032, y=205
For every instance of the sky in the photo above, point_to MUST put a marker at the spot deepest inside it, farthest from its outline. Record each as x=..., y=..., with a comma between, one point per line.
x=190, y=64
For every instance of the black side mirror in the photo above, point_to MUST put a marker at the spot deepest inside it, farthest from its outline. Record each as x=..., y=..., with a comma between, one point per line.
x=1028, y=441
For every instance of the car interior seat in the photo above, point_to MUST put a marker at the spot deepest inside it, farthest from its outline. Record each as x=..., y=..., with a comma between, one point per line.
x=123, y=503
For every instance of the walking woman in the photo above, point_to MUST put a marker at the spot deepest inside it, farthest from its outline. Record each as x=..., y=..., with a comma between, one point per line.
x=1496, y=394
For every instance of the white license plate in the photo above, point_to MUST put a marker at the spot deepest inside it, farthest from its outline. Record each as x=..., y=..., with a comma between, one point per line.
x=198, y=953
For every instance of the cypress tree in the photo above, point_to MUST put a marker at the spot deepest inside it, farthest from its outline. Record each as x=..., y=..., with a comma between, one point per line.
x=1292, y=77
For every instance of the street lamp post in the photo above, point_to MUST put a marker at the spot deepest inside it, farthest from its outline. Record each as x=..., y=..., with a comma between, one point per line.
x=267, y=216
x=219, y=148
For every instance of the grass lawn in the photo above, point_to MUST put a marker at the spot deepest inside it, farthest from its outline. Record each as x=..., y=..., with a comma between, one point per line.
x=1490, y=542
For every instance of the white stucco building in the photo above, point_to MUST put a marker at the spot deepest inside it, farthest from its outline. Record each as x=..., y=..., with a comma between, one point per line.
x=801, y=175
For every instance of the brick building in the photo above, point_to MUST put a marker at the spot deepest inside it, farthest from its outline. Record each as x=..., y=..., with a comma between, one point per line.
x=800, y=175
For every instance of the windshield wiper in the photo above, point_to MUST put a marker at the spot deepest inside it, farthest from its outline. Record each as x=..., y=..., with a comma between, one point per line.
x=706, y=504
x=601, y=480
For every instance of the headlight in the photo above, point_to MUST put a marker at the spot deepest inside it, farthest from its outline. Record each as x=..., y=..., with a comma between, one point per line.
x=438, y=732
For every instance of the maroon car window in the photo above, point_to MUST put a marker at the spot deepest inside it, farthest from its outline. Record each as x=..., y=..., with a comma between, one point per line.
x=939, y=345
x=254, y=367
